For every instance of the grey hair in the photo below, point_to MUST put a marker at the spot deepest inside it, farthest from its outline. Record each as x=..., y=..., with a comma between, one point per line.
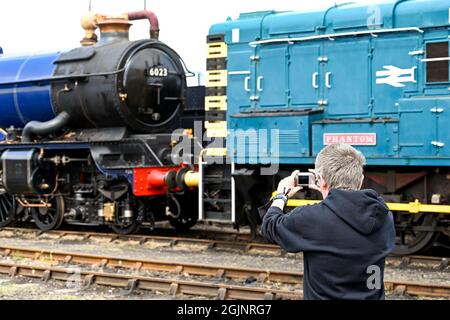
x=341, y=166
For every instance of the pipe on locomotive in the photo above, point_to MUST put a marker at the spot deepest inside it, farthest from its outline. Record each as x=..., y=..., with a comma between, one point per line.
x=34, y=128
x=89, y=22
x=152, y=19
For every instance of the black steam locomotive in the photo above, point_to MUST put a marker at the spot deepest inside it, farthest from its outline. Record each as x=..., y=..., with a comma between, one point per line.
x=89, y=133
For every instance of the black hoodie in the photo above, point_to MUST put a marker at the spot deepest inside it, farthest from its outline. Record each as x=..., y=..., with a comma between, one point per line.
x=345, y=240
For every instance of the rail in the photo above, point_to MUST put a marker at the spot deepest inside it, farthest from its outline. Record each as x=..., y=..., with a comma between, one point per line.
x=176, y=286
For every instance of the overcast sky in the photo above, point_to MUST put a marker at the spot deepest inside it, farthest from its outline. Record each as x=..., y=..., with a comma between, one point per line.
x=46, y=25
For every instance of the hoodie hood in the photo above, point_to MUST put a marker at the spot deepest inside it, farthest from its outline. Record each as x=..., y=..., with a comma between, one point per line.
x=363, y=210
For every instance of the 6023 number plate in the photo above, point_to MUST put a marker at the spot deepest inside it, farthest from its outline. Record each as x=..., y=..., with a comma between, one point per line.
x=158, y=72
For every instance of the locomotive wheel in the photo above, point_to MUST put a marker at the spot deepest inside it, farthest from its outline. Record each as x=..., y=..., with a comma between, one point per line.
x=131, y=226
x=49, y=218
x=127, y=229
x=414, y=233
x=7, y=210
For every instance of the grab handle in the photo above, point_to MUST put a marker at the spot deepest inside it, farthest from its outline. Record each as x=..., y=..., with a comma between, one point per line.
x=328, y=80
x=247, y=84
x=259, y=84
x=315, y=77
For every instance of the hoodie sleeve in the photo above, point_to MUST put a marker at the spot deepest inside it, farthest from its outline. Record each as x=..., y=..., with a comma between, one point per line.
x=286, y=229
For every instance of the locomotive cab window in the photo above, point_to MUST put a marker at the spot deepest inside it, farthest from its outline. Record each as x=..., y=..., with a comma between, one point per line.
x=438, y=68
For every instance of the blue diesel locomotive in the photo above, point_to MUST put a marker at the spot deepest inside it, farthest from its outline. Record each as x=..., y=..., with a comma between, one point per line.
x=282, y=85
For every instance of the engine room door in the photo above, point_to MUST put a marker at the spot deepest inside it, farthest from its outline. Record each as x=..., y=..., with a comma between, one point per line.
x=346, y=77
x=240, y=83
x=418, y=128
x=394, y=72
x=304, y=75
x=442, y=111
x=271, y=76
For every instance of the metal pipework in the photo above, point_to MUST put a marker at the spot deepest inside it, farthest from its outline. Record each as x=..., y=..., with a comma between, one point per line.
x=44, y=128
x=152, y=19
x=42, y=204
x=90, y=22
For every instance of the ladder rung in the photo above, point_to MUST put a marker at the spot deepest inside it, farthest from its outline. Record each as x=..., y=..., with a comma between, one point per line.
x=217, y=200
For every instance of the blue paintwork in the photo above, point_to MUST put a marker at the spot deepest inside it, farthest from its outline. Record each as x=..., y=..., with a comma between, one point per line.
x=353, y=98
x=22, y=103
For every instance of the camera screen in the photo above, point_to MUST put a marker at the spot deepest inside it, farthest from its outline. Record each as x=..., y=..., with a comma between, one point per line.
x=303, y=180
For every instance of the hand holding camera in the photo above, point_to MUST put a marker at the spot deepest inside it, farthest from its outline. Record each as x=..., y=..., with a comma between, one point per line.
x=297, y=181
x=309, y=180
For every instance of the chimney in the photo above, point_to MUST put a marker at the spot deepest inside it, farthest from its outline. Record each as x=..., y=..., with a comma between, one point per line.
x=113, y=29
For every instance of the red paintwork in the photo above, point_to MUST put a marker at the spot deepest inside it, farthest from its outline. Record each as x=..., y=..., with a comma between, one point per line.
x=151, y=181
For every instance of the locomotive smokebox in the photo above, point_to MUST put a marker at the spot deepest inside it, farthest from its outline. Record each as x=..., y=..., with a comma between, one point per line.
x=117, y=83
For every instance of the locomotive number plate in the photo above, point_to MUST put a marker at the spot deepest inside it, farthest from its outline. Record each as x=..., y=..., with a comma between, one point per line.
x=158, y=72
x=353, y=139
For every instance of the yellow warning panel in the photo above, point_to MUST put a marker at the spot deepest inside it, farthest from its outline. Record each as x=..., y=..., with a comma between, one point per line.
x=216, y=152
x=217, y=50
x=216, y=129
x=216, y=78
x=216, y=133
x=216, y=125
x=216, y=103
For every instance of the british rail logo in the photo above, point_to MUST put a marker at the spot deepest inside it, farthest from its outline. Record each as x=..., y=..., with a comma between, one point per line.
x=396, y=77
x=354, y=139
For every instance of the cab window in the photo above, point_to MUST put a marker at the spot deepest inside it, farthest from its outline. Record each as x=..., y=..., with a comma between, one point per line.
x=437, y=69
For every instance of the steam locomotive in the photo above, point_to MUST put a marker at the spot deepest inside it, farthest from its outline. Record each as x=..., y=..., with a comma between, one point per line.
x=87, y=133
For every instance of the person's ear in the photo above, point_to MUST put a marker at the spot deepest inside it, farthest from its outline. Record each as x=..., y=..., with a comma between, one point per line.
x=361, y=184
x=324, y=184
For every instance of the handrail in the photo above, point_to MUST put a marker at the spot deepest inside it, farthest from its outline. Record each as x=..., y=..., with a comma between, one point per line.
x=411, y=207
x=435, y=59
x=334, y=35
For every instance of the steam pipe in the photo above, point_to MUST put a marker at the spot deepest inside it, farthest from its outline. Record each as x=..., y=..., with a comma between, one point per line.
x=44, y=128
x=152, y=19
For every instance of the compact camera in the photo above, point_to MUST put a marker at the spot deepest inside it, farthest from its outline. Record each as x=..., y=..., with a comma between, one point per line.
x=305, y=179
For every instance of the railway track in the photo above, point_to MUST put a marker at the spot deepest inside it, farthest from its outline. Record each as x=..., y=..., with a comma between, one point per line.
x=439, y=263
x=176, y=286
x=134, y=282
x=154, y=265
x=213, y=231
x=142, y=239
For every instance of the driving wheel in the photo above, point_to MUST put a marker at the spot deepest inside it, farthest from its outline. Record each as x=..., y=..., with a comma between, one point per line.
x=49, y=217
x=415, y=233
x=7, y=210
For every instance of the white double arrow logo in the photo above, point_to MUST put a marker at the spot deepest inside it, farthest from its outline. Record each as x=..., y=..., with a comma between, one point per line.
x=395, y=76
